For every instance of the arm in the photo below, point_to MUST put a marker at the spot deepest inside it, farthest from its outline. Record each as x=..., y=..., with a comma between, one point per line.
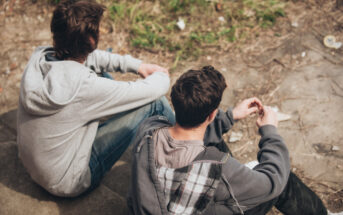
x=102, y=97
x=268, y=179
x=102, y=61
x=220, y=125
x=225, y=120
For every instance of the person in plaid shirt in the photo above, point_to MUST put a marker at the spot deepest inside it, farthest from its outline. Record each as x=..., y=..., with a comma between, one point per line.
x=186, y=168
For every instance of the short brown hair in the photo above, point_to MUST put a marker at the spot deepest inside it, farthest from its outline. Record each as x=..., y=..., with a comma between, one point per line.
x=196, y=94
x=72, y=25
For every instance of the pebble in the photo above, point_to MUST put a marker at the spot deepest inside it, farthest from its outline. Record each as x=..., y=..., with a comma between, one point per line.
x=295, y=24
x=8, y=71
x=335, y=148
x=235, y=136
x=181, y=24
x=221, y=19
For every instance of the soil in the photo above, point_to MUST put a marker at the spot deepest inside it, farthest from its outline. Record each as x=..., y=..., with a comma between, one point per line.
x=286, y=66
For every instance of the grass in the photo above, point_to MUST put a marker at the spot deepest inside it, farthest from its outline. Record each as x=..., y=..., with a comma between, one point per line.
x=152, y=25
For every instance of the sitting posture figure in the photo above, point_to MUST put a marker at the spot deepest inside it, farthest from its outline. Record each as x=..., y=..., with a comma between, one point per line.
x=178, y=170
x=62, y=99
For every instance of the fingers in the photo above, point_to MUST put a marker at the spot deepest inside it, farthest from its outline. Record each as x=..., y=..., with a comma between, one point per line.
x=267, y=118
x=147, y=69
x=255, y=102
x=253, y=109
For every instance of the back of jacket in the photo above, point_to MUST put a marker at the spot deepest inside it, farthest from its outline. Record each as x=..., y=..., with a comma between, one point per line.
x=239, y=187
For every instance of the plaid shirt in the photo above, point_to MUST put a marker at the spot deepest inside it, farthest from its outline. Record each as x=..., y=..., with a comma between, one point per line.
x=190, y=189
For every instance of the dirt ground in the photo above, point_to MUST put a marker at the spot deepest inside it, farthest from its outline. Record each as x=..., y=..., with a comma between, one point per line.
x=286, y=66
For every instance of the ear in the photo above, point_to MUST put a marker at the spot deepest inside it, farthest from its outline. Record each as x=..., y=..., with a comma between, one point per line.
x=93, y=42
x=212, y=116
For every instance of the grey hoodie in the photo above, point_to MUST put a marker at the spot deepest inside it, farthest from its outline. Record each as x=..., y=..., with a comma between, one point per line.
x=239, y=189
x=59, y=107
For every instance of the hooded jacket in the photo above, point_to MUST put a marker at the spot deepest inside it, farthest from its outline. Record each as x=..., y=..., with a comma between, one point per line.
x=59, y=109
x=239, y=188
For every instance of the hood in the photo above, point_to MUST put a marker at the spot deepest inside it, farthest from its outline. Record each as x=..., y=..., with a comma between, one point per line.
x=47, y=86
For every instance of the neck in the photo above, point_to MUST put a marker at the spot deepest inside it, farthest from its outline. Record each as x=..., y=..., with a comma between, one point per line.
x=181, y=133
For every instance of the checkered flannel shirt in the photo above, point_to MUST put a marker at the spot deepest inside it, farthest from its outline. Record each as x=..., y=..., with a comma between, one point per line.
x=189, y=190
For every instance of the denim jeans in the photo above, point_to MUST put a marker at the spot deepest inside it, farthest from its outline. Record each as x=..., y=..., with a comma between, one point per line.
x=115, y=135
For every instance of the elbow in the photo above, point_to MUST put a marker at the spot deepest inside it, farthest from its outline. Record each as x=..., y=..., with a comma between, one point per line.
x=161, y=85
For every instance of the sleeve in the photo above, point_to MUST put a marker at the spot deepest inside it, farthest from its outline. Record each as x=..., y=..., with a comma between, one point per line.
x=268, y=179
x=220, y=125
x=103, y=97
x=103, y=61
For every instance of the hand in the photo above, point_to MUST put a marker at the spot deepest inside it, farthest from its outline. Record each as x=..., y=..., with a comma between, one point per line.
x=267, y=117
x=145, y=69
x=246, y=107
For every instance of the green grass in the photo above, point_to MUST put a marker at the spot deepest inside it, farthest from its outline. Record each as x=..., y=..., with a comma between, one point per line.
x=152, y=24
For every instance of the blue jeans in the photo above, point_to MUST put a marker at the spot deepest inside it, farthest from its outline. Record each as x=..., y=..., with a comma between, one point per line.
x=115, y=135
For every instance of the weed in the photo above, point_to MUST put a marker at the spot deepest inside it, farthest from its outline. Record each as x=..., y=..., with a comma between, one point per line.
x=152, y=24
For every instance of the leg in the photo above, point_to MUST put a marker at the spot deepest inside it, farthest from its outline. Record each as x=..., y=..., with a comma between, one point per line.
x=296, y=199
x=115, y=135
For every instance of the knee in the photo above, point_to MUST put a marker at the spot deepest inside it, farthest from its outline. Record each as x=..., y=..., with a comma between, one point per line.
x=163, y=108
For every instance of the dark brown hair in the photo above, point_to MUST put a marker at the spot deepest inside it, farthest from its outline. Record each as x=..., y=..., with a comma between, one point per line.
x=196, y=94
x=72, y=25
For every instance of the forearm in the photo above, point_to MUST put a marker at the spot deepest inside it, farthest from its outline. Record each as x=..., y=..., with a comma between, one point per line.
x=220, y=125
x=106, y=97
x=102, y=61
x=268, y=179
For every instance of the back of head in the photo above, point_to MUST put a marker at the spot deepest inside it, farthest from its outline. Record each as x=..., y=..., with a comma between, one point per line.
x=72, y=25
x=196, y=94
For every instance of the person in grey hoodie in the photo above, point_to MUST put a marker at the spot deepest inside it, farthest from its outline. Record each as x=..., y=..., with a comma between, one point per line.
x=177, y=168
x=62, y=99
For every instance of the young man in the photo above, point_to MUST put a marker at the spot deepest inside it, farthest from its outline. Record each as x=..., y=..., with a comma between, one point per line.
x=174, y=172
x=62, y=99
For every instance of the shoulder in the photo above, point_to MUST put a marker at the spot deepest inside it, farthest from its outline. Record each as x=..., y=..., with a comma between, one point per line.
x=148, y=127
x=213, y=154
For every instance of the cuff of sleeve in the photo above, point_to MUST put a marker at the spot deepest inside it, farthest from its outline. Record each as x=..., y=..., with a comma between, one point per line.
x=267, y=130
x=230, y=115
x=133, y=65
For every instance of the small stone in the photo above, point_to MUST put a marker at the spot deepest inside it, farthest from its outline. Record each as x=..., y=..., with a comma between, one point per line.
x=335, y=148
x=223, y=69
x=294, y=169
x=295, y=24
x=221, y=19
x=303, y=54
x=181, y=24
x=209, y=58
x=235, y=136
x=8, y=71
